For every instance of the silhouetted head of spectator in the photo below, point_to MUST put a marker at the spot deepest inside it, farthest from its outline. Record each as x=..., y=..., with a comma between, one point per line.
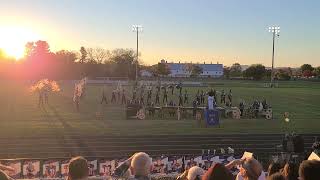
x=251, y=169
x=141, y=164
x=195, y=173
x=218, y=172
x=78, y=168
x=273, y=168
x=4, y=176
x=290, y=171
x=276, y=176
x=309, y=170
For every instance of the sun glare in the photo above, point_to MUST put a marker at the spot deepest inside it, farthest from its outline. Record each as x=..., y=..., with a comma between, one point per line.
x=13, y=40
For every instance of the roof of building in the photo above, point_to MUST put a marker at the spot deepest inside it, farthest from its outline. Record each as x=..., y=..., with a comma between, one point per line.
x=211, y=67
x=205, y=67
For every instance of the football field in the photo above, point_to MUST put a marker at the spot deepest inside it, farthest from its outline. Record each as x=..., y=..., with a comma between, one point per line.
x=20, y=115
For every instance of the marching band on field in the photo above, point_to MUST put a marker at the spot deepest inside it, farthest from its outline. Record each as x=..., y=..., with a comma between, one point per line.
x=119, y=96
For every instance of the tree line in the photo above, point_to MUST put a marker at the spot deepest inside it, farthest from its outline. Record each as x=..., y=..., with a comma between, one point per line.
x=40, y=62
x=260, y=72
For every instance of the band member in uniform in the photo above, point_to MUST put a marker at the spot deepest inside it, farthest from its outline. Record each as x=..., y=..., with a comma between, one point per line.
x=198, y=98
x=230, y=98
x=180, y=100
x=202, y=97
x=113, y=96
x=186, y=99
x=165, y=95
x=123, y=98
x=159, y=86
x=241, y=107
x=195, y=106
x=76, y=97
x=255, y=106
x=46, y=90
x=149, y=96
x=223, y=97
x=104, y=97
x=41, y=98
x=134, y=94
x=172, y=89
x=215, y=95
x=157, y=97
x=264, y=104
x=141, y=99
x=180, y=87
x=142, y=95
x=119, y=95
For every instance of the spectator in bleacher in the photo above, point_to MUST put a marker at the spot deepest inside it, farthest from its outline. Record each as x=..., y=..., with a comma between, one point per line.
x=218, y=172
x=290, y=171
x=273, y=168
x=195, y=173
x=251, y=170
x=276, y=176
x=4, y=176
x=309, y=170
x=140, y=165
x=78, y=169
x=158, y=166
x=316, y=146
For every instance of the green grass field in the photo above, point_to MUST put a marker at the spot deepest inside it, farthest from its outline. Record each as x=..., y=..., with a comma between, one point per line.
x=20, y=116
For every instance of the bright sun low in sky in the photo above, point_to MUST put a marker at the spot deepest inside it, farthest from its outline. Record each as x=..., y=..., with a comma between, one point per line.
x=14, y=39
x=176, y=30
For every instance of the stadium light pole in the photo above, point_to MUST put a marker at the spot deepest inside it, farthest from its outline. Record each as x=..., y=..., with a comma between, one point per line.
x=275, y=30
x=137, y=29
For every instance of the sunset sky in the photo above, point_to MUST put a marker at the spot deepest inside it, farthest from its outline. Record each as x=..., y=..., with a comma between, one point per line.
x=227, y=31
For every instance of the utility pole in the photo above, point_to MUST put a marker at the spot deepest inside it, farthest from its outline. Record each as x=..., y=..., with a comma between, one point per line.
x=275, y=32
x=137, y=29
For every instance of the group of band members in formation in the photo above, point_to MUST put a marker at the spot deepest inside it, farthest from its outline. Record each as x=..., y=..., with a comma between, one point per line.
x=150, y=96
x=143, y=95
x=119, y=95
